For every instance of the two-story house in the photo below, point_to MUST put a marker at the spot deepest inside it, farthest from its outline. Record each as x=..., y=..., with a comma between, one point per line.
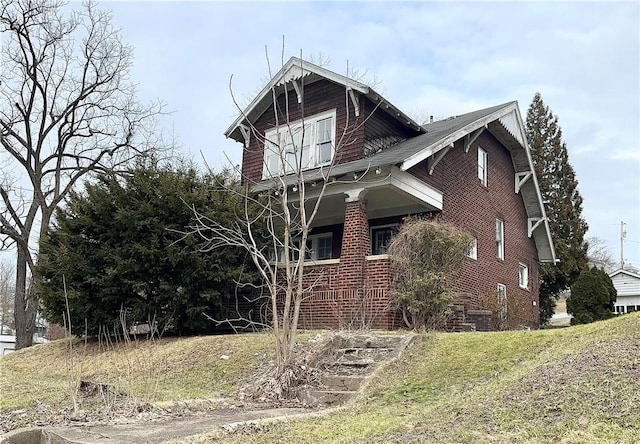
x=473, y=170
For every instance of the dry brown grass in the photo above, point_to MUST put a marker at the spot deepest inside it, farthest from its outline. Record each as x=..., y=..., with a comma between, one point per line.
x=167, y=369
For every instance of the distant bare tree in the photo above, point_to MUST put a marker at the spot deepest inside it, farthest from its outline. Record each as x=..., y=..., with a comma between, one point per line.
x=67, y=109
x=599, y=254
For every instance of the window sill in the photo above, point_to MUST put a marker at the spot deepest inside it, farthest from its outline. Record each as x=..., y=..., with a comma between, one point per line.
x=377, y=257
x=310, y=263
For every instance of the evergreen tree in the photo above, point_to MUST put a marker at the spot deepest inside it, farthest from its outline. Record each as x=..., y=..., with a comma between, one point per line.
x=119, y=248
x=563, y=204
x=593, y=297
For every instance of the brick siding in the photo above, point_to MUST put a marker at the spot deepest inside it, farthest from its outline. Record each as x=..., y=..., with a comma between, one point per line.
x=356, y=290
x=474, y=208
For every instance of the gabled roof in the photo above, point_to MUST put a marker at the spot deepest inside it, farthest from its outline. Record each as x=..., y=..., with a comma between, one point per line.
x=622, y=271
x=297, y=69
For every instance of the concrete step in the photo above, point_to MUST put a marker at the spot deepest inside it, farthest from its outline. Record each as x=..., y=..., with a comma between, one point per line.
x=344, y=383
x=317, y=397
x=390, y=342
x=362, y=351
x=356, y=362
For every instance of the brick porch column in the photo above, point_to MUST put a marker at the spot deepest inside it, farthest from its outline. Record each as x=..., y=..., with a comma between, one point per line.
x=355, y=242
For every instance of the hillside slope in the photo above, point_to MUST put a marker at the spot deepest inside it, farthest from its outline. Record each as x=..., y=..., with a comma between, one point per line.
x=580, y=384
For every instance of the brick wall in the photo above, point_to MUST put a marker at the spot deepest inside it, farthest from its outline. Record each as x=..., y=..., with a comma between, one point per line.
x=482, y=320
x=473, y=207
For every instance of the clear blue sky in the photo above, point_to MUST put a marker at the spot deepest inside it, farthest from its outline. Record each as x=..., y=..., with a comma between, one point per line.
x=430, y=58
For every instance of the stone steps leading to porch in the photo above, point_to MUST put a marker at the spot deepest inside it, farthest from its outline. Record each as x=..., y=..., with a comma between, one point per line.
x=346, y=365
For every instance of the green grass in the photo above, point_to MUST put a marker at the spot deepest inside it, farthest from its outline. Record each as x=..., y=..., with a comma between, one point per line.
x=574, y=385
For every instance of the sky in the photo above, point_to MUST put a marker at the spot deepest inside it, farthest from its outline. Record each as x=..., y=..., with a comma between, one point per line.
x=427, y=58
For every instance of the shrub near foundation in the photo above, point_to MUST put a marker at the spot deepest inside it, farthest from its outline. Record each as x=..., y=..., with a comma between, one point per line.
x=426, y=258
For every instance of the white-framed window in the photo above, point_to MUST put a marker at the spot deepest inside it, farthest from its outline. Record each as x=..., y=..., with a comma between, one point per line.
x=381, y=236
x=500, y=239
x=473, y=249
x=483, y=164
x=319, y=247
x=300, y=145
x=523, y=275
x=502, y=304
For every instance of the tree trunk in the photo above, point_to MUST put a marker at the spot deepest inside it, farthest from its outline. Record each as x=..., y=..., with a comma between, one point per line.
x=25, y=309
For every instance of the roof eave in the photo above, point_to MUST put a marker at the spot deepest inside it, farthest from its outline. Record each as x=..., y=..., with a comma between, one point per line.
x=284, y=75
x=448, y=140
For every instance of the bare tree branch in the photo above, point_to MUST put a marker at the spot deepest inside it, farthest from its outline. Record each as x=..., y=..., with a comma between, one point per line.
x=67, y=110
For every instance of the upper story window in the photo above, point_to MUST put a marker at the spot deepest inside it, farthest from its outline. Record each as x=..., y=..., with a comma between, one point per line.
x=300, y=145
x=500, y=239
x=381, y=236
x=483, y=163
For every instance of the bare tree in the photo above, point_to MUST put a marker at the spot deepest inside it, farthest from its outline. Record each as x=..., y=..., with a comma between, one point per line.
x=599, y=254
x=287, y=206
x=67, y=108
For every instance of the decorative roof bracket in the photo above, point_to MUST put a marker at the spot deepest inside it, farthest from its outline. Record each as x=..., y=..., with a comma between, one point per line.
x=246, y=134
x=436, y=158
x=521, y=178
x=533, y=223
x=298, y=90
x=470, y=138
x=356, y=105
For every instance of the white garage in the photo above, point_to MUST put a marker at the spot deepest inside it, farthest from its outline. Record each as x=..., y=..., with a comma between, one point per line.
x=627, y=285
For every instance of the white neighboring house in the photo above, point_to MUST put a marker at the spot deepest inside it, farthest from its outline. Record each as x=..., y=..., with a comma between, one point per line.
x=627, y=285
x=8, y=343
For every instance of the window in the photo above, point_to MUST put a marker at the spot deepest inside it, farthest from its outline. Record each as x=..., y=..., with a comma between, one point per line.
x=473, y=249
x=482, y=166
x=502, y=304
x=523, y=276
x=380, y=238
x=319, y=247
x=500, y=239
x=324, y=247
x=297, y=147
